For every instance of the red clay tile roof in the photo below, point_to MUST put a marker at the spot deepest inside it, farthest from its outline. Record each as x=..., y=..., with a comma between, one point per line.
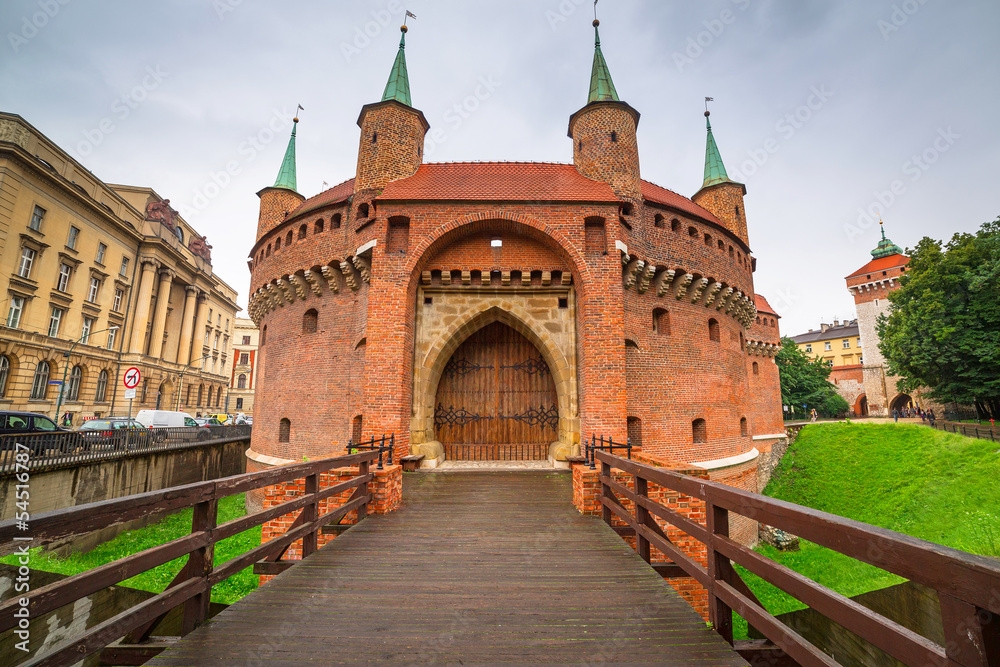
x=655, y=193
x=334, y=195
x=499, y=181
x=882, y=264
x=763, y=306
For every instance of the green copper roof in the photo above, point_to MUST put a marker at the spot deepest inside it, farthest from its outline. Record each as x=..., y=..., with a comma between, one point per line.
x=602, y=88
x=885, y=247
x=286, y=175
x=715, y=171
x=398, y=86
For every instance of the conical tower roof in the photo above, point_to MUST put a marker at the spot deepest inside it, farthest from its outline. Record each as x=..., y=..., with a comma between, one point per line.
x=398, y=86
x=715, y=171
x=885, y=247
x=286, y=175
x=602, y=88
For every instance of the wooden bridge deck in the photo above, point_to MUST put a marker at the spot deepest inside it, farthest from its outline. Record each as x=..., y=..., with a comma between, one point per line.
x=475, y=567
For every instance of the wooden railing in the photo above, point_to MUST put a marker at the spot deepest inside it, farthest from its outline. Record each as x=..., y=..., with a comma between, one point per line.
x=968, y=586
x=981, y=431
x=192, y=586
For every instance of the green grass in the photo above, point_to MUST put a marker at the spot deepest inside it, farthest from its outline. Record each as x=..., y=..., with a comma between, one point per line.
x=170, y=528
x=937, y=486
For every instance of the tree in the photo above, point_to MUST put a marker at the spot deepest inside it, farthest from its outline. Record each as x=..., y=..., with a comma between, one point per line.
x=805, y=382
x=942, y=330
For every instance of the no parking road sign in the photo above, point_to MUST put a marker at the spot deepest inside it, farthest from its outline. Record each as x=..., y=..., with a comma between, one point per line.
x=131, y=379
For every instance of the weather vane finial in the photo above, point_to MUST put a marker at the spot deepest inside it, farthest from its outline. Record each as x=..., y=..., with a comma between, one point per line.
x=297, y=109
x=409, y=15
x=707, y=100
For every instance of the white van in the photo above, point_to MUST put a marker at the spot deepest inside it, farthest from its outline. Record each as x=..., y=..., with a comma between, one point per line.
x=164, y=419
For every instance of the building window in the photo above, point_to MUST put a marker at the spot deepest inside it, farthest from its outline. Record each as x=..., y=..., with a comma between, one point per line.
x=40, y=384
x=36, y=218
x=634, y=430
x=263, y=336
x=285, y=430
x=244, y=358
x=241, y=382
x=144, y=394
x=693, y=232
x=859, y=342
x=661, y=321
x=117, y=303
x=27, y=259
x=708, y=240
x=218, y=321
x=827, y=347
x=809, y=348
x=124, y=267
x=335, y=221
x=54, y=321
x=310, y=321
x=14, y=314
x=744, y=430
x=246, y=340
x=227, y=324
x=398, y=236
x=595, y=237
x=675, y=225
x=288, y=238
x=102, y=387
x=215, y=344
x=74, y=234
x=4, y=374
x=201, y=394
x=88, y=326
x=713, y=330
x=756, y=368
x=318, y=226
x=847, y=343
x=208, y=332
x=658, y=221
x=302, y=232
x=239, y=403
x=95, y=288
x=699, y=432
x=73, y=389
x=62, y=284
x=210, y=311
x=101, y=251
x=112, y=333
x=362, y=211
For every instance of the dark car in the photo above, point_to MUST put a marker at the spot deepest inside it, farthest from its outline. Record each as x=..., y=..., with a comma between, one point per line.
x=36, y=432
x=114, y=433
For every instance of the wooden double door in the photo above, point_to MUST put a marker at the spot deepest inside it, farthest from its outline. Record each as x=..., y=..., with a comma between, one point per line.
x=496, y=399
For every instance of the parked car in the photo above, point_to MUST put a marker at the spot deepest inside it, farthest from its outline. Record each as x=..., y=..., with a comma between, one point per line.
x=173, y=426
x=208, y=421
x=40, y=433
x=115, y=432
x=222, y=417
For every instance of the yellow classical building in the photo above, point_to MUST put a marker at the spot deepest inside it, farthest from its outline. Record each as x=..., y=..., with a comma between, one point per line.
x=839, y=344
x=97, y=278
x=246, y=339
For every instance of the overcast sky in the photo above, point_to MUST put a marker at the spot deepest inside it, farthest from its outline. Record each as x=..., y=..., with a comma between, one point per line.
x=824, y=109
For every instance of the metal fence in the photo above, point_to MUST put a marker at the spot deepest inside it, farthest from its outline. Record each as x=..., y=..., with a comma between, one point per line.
x=983, y=432
x=33, y=451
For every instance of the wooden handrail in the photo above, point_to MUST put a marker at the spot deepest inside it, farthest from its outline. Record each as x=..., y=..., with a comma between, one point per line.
x=193, y=585
x=968, y=585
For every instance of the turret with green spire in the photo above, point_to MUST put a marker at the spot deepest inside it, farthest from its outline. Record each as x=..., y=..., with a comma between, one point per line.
x=885, y=247
x=286, y=175
x=719, y=194
x=715, y=171
x=398, y=86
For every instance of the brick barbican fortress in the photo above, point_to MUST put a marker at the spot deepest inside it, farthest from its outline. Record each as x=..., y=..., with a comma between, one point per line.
x=498, y=310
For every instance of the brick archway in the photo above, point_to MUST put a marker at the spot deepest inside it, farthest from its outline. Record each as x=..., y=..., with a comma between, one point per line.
x=435, y=347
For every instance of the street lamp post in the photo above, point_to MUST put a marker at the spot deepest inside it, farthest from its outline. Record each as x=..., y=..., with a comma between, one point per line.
x=62, y=388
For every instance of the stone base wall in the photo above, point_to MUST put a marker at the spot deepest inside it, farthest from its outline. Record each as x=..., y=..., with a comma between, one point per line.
x=386, y=490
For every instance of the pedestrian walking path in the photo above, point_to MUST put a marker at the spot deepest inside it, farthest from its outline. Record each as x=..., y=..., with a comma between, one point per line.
x=475, y=567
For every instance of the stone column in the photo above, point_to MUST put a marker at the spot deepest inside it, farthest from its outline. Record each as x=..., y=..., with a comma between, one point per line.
x=141, y=317
x=187, y=325
x=160, y=316
x=199, y=327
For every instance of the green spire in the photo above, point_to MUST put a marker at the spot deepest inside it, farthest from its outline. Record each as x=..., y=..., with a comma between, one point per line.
x=602, y=88
x=885, y=247
x=715, y=171
x=286, y=175
x=398, y=86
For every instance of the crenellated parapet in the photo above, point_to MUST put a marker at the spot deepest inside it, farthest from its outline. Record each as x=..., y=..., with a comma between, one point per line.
x=350, y=273
x=648, y=276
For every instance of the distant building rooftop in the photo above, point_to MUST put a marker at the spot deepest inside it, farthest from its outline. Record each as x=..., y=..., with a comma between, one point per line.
x=829, y=331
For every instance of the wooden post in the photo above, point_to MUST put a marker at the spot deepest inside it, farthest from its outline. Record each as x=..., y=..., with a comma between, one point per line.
x=971, y=635
x=199, y=564
x=605, y=492
x=719, y=568
x=642, y=518
x=363, y=509
x=310, y=513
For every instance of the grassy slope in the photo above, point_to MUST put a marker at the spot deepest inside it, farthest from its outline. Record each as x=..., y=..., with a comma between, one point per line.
x=936, y=486
x=170, y=528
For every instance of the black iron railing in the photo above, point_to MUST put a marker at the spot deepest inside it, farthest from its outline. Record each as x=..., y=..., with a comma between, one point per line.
x=32, y=451
x=607, y=445
x=383, y=444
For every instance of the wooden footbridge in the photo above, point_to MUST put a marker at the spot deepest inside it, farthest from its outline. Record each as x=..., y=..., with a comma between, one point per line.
x=495, y=567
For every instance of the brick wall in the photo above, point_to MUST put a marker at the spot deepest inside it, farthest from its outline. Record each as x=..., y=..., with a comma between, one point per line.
x=386, y=490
